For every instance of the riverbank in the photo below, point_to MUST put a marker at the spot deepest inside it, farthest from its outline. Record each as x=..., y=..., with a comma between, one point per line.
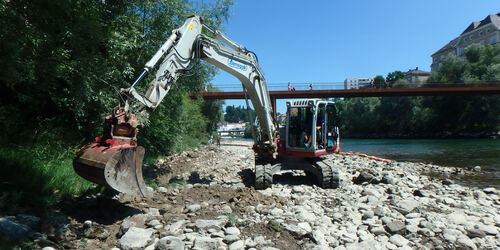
x=203, y=199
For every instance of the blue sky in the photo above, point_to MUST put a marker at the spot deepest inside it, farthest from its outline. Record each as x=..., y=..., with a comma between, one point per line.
x=328, y=41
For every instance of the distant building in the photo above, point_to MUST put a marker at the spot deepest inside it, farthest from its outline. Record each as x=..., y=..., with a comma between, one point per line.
x=357, y=83
x=416, y=75
x=486, y=31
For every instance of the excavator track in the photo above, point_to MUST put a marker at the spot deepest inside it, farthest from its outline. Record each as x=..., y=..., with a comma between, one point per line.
x=328, y=176
x=263, y=174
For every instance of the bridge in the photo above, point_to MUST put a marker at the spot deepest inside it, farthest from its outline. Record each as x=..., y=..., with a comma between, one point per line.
x=427, y=89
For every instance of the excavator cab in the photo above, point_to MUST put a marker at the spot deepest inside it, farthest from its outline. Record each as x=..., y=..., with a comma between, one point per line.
x=311, y=128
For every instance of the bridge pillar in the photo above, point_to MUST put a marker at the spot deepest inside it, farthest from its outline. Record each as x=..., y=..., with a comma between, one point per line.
x=273, y=103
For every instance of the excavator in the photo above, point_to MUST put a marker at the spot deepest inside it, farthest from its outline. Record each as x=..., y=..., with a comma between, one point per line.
x=311, y=131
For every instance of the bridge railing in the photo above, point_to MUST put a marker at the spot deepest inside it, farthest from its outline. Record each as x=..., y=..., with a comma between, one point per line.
x=230, y=87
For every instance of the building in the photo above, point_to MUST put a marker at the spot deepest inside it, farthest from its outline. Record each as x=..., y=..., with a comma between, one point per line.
x=416, y=75
x=357, y=83
x=486, y=31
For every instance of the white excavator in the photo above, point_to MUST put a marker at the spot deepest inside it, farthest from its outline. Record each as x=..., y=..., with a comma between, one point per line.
x=311, y=132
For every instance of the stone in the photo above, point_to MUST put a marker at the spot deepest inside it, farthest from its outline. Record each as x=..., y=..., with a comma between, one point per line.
x=368, y=214
x=488, y=229
x=29, y=220
x=378, y=230
x=237, y=245
x=154, y=223
x=305, y=226
x=162, y=190
x=298, y=189
x=276, y=211
x=449, y=237
x=153, y=211
x=406, y=206
x=464, y=240
x=232, y=230
x=476, y=168
x=176, y=227
x=13, y=231
x=193, y=208
x=457, y=218
x=395, y=227
x=490, y=190
x=474, y=232
x=169, y=243
x=231, y=238
x=295, y=230
x=226, y=209
x=206, y=224
x=136, y=238
x=206, y=243
x=398, y=240
x=365, y=177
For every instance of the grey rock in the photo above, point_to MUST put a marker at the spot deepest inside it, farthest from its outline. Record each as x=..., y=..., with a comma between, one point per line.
x=176, y=227
x=153, y=211
x=474, y=232
x=29, y=220
x=231, y=238
x=232, y=230
x=395, y=227
x=136, y=238
x=465, y=241
x=457, y=218
x=13, y=231
x=379, y=230
x=162, y=190
x=206, y=243
x=295, y=230
x=48, y=248
x=298, y=189
x=406, y=206
x=237, y=245
x=365, y=177
x=206, y=224
x=169, y=243
x=398, y=240
x=488, y=229
x=154, y=223
x=193, y=208
x=226, y=209
x=368, y=214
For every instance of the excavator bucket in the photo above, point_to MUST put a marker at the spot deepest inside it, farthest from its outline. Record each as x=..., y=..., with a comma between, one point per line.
x=118, y=166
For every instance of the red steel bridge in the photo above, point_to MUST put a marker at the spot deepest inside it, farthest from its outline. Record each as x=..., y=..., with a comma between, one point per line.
x=428, y=89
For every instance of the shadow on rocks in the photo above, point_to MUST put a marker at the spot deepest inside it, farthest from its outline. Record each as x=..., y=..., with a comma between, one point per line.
x=102, y=209
x=247, y=177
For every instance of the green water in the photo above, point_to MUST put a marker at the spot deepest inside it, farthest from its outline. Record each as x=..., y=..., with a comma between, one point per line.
x=463, y=153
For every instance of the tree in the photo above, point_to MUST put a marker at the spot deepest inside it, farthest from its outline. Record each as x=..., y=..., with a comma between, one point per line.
x=395, y=76
x=379, y=81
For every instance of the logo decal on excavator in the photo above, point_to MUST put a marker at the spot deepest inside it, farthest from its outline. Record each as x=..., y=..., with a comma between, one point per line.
x=191, y=27
x=237, y=65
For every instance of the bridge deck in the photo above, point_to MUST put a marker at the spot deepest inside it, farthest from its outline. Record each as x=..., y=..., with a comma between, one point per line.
x=424, y=91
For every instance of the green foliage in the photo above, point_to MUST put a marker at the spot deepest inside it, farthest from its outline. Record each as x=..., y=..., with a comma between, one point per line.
x=395, y=76
x=428, y=116
x=236, y=114
x=379, y=81
x=63, y=63
x=273, y=225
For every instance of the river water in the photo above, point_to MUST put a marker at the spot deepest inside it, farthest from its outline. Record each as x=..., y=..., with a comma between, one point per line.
x=463, y=153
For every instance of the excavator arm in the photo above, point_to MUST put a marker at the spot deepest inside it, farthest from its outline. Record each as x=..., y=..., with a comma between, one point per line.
x=115, y=159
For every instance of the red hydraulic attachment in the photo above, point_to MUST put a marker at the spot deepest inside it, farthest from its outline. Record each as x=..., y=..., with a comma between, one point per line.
x=114, y=160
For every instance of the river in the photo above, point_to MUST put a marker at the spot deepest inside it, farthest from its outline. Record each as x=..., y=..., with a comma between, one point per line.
x=463, y=153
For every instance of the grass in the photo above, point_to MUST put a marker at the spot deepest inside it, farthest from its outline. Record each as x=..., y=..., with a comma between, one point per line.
x=232, y=219
x=273, y=225
x=37, y=176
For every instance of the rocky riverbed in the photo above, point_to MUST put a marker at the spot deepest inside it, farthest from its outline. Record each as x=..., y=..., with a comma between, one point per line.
x=203, y=199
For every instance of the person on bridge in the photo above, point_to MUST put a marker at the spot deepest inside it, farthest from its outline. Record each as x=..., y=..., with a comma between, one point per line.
x=218, y=140
x=311, y=86
x=289, y=87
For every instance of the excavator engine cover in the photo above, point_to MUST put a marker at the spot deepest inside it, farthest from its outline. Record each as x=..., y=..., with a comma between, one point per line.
x=118, y=166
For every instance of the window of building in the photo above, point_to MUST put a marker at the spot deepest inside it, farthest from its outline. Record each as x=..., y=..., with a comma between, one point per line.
x=488, y=31
x=493, y=39
x=480, y=33
x=461, y=51
x=481, y=42
x=470, y=37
